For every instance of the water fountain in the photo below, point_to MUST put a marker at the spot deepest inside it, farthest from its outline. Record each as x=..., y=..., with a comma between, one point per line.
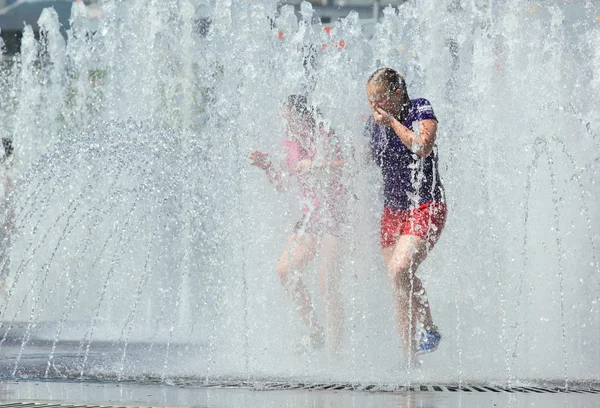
x=141, y=229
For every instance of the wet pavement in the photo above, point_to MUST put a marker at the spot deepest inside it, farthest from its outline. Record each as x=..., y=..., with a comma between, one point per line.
x=33, y=382
x=145, y=395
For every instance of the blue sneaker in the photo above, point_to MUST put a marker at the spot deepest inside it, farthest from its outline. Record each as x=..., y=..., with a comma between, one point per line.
x=428, y=342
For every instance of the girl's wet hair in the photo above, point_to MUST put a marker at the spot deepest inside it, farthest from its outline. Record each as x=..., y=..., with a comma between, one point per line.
x=391, y=80
x=388, y=79
x=299, y=105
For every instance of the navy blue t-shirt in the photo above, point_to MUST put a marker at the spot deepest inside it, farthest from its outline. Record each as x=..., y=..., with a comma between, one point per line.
x=408, y=179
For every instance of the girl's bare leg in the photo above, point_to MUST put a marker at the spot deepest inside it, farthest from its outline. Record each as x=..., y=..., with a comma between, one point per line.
x=298, y=252
x=330, y=273
x=410, y=298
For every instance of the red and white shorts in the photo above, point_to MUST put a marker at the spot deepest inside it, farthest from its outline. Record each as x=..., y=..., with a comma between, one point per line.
x=425, y=221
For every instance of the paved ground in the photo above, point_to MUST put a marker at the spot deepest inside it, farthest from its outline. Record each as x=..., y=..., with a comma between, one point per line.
x=65, y=386
x=140, y=395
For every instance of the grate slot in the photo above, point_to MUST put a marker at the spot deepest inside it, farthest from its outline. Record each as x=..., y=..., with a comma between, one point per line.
x=533, y=390
x=544, y=390
x=437, y=388
x=279, y=386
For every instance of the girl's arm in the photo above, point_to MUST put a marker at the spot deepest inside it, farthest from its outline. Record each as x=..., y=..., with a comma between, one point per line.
x=275, y=177
x=421, y=143
x=262, y=161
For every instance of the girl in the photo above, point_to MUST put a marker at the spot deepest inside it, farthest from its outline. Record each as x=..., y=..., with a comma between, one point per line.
x=402, y=134
x=313, y=158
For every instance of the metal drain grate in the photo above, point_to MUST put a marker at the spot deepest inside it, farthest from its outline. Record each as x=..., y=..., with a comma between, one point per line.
x=267, y=386
x=289, y=384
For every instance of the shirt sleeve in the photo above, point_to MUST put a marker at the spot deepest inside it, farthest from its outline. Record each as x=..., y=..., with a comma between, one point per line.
x=424, y=110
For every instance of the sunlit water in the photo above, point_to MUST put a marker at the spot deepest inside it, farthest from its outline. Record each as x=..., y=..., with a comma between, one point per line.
x=139, y=220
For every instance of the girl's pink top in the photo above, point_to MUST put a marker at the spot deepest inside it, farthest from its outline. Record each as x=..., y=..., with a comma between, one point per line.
x=324, y=193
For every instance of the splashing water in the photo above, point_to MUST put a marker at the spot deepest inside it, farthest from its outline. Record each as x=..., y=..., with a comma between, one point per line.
x=139, y=224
